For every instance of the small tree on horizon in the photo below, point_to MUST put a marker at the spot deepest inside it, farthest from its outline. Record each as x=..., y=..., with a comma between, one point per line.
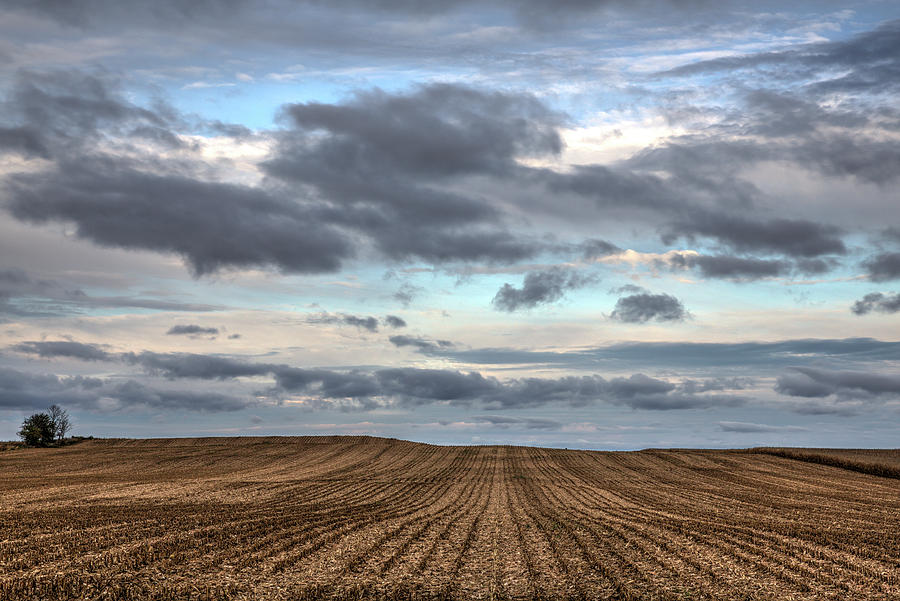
x=44, y=429
x=37, y=430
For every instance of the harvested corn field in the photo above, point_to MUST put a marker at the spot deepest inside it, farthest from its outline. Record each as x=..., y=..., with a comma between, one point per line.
x=357, y=517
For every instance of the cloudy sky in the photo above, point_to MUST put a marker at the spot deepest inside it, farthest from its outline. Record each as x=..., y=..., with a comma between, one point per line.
x=599, y=224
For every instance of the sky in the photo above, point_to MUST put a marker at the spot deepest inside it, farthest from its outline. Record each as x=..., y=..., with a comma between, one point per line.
x=599, y=224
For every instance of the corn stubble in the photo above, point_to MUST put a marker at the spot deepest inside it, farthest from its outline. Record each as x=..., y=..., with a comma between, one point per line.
x=365, y=518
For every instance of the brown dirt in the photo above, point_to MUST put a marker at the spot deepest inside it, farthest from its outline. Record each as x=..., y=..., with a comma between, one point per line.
x=367, y=518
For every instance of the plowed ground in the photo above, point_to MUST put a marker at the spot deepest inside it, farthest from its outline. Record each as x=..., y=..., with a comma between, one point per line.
x=347, y=517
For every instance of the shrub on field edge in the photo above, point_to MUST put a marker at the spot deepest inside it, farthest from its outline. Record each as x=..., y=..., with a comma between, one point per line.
x=45, y=429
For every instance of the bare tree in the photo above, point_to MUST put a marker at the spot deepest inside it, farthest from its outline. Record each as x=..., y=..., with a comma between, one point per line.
x=60, y=421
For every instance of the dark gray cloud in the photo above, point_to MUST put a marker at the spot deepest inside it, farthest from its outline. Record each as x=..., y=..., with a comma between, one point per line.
x=230, y=13
x=23, y=294
x=65, y=348
x=877, y=301
x=847, y=154
x=394, y=322
x=778, y=114
x=454, y=244
x=376, y=171
x=865, y=63
x=527, y=423
x=713, y=163
x=539, y=287
x=691, y=355
x=791, y=237
x=25, y=391
x=883, y=267
x=618, y=187
x=439, y=130
x=639, y=384
x=744, y=269
x=359, y=175
x=189, y=365
x=640, y=391
x=23, y=140
x=798, y=117
x=325, y=384
x=636, y=392
x=146, y=202
x=680, y=401
x=787, y=128
x=890, y=235
x=702, y=197
x=818, y=109
x=846, y=385
x=717, y=384
x=412, y=387
x=536, y=392
x=211, y=225
x=727, y=266
x=348, y=390
x=423, y=345
x=168, y=12
x=134, y=394
x=751, y=428
x=644, y=307
x=191, y=330
x=815, y=266
x=387, y=159
x=594, y=248
x=366, y=322
x=63, y=113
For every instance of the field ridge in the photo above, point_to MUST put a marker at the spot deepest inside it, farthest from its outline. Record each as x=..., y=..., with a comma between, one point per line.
x=876, y=462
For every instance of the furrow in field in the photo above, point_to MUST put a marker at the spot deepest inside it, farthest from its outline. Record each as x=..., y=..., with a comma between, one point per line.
x=332, y=560
x=811, y=574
